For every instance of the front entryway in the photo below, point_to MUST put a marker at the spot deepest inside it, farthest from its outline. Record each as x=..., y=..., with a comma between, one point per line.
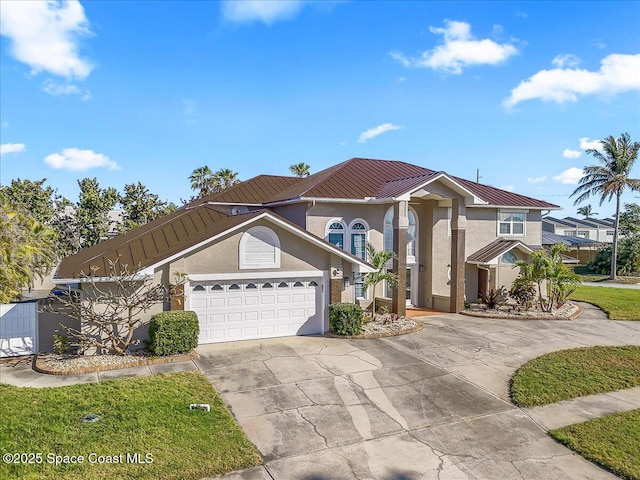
x=257, y=308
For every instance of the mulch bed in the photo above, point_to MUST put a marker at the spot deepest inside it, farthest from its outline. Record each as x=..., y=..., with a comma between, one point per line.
x=568, y=311
x=53, y=364
x=384, y=326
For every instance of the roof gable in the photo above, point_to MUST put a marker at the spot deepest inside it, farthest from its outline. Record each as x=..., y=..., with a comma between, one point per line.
x=492, y=251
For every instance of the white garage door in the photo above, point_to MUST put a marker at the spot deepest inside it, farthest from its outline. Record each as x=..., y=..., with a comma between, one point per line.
x=249, y=309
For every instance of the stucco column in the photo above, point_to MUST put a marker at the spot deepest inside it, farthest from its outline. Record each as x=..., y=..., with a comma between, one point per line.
x=458, y=256
x=335, y=283
x=400, y=226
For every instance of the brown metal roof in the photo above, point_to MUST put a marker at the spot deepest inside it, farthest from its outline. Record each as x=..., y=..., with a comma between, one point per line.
x=256, y=190
x=357, y=178
x=495, y=249
x=495, y=196
x=148, y=244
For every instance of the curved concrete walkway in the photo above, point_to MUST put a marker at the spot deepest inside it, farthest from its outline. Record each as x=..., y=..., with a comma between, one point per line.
x=432, y=404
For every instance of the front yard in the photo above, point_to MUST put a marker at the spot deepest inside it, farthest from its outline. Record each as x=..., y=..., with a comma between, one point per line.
x=618, y=303
x=148, y=416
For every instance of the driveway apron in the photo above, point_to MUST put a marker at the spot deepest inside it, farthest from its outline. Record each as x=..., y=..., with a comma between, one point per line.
x=433, y=404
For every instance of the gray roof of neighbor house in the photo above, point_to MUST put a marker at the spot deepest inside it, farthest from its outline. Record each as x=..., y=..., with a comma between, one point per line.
x=361, y=178
x=497, y=248
x=559, y=221
x=549, y=238
x=165, y=237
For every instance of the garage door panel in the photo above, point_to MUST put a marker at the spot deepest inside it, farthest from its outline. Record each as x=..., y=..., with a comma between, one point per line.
x=256, y=309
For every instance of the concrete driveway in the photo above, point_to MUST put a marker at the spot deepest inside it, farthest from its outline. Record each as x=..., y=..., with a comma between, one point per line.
x=433, y=404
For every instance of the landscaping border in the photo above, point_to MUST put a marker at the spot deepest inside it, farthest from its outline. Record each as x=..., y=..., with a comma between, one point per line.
x=417, y=328
x=141, y=362
x=507, y=316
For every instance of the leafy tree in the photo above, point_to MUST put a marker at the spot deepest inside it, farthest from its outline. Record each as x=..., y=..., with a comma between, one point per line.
x=610, y=179
x=27, y=250
x=92, y=211
x=33, y=197
x=203, y=181
x=630, y=219
x=546, y=270
x=111, y=312
x=586, y=211
x=226, y=178
x=379, y=261
x=139, y=206
x=301, y=169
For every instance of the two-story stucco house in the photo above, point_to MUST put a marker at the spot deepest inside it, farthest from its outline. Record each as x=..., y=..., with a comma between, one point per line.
x=266, y=257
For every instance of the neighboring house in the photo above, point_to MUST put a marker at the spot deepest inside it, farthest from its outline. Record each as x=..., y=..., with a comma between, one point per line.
x=591, y=229
x=266, y=257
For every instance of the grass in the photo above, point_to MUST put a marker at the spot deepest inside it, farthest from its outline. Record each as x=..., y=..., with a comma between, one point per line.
x=618, y=303
x=575, y=373
x=612, y=442
x=146, y=415
x=587, y=275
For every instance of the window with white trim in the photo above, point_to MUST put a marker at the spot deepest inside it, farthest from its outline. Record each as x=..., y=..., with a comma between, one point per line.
x=412, y=234
x=259, y=248
x=358, y=241
x=335, y=233
x=511, y=223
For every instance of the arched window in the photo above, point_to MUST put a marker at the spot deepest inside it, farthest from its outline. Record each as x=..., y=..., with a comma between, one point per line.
x=509, y=257
x=335, y=233
x=358, y=237
x=412, y=234
x=259, y=248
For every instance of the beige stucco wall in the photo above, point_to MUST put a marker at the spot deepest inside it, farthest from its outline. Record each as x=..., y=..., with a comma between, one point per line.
x=296, y=213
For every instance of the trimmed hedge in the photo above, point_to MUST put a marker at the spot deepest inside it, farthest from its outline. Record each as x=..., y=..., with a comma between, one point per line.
x=345, y=318
x=173, y=332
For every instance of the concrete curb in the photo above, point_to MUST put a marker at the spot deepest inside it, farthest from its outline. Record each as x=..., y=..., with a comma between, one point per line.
x=417, y=328
x=40, y=368
x=571, y=316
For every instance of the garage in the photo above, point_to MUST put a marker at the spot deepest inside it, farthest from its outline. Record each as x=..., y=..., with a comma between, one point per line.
x=257, y=308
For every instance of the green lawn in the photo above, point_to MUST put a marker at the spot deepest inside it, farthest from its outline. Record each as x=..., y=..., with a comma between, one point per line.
x=612, y=442
x=618, y=303
x=574, y=373
x=146, y=415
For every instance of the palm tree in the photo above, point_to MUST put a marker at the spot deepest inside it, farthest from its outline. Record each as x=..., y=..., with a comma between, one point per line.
x=609, y=179
x=586, y=211
x=379, y=261
x=300, y=170
x=226, y=178
x=204, y=181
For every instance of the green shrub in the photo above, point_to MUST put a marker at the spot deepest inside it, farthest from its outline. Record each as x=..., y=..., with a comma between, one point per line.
x=173, y=332
x=61, y=344
x=345, y=318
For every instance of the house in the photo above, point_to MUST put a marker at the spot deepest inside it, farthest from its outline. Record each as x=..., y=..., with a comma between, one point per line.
x=266, y=257
x=591, y=228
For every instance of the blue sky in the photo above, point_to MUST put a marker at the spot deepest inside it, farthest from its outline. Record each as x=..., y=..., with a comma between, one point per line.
x=148, y=91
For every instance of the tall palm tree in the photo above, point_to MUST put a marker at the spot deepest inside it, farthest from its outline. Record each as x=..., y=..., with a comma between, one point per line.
x=610, y=179
x=203, y=181
x=300, y=169
x=226, y=178
x=379, y=261
x=586, y=211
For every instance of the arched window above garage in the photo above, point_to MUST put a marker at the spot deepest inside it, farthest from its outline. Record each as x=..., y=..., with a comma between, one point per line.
x=259, y=248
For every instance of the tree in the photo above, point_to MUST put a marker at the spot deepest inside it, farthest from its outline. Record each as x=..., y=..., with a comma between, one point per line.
x=139, y=206
x=110, y=312
x=33, y=197
x=204, y=181
x=226, y=178
x=92, y=211
x=586, y=211
x=610, y=179
x=300, y=169
x=546, y=270
x=379, y=261
x=27, y=250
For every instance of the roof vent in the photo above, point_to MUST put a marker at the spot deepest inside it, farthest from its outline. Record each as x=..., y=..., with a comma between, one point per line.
x=239, y=210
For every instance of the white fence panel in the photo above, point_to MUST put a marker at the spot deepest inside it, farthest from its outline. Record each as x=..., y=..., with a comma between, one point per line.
x=18, y=329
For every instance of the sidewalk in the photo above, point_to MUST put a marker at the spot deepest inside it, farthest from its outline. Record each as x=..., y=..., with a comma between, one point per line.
x=581, y=409
x=631, y=286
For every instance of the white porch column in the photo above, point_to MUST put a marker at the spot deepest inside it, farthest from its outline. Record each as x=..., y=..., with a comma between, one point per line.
x=400, y=227
x=458, y=256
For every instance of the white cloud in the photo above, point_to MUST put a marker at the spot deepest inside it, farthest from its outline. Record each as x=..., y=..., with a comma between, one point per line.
x=374, y=132
x=508, y=188
x=537, y=179
x=44, y=35
x=570, y=176
x=618, y=73
x=267, y=12
x=586, y=144
x=56, y=89
x=568, y=153
x=7, y=148
x=459, y=50
x=75, y=159
x=566, y=60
